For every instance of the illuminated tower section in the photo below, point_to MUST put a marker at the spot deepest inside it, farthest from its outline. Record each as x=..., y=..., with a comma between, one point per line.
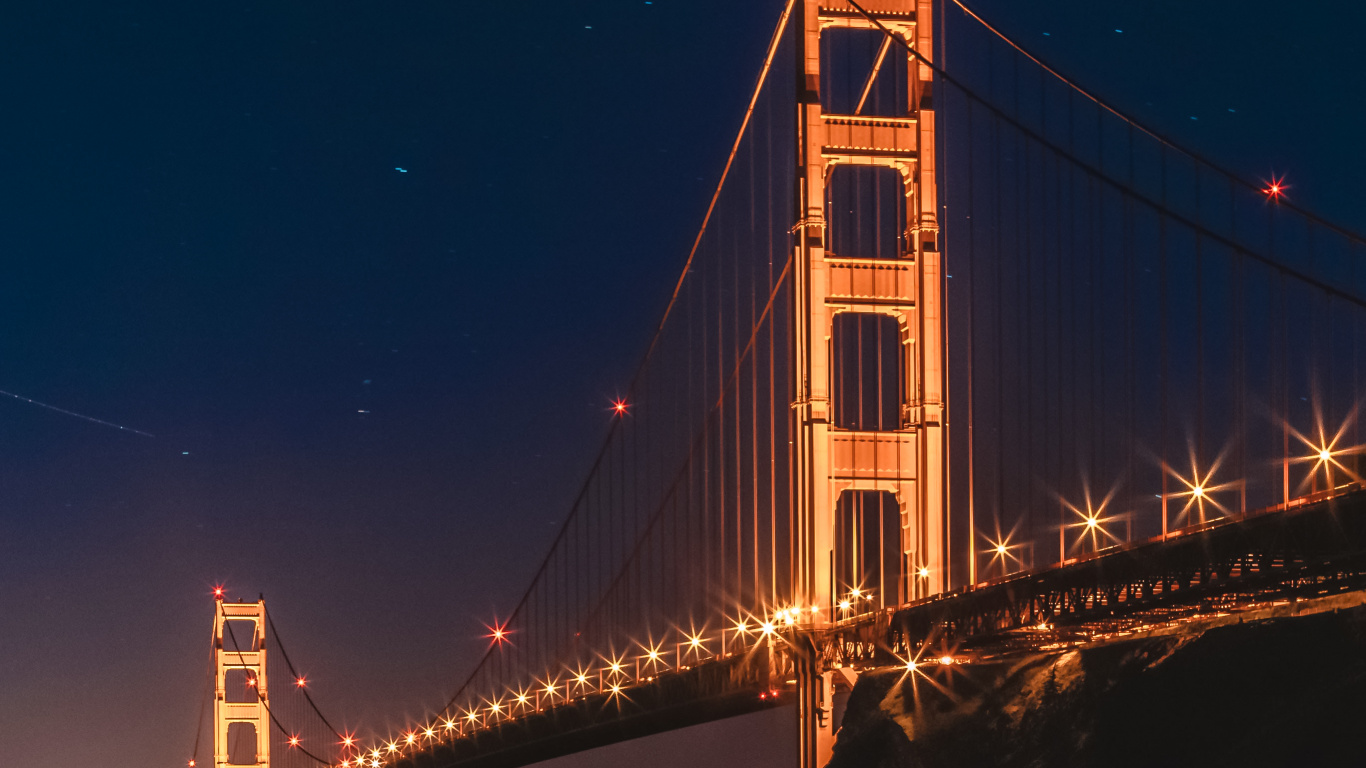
x=904, y=457
x=839, y=282
x=240, y=715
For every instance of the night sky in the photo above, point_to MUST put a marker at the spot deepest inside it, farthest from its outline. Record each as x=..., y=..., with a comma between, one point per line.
x=374, y=391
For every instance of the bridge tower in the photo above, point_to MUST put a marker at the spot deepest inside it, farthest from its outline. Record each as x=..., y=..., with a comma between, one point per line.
x=241, y=698
x=905, y=459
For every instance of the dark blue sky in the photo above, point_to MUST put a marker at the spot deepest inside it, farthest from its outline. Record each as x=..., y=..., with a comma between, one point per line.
x=374, y=392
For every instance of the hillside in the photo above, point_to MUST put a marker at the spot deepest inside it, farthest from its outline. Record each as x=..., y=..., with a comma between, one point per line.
x=1269, y=689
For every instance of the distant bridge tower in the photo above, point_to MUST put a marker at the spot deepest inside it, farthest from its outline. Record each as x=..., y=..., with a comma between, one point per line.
x=839, y=464
x=240, y=714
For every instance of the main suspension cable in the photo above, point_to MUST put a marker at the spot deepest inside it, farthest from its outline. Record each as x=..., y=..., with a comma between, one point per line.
x=1192, y=154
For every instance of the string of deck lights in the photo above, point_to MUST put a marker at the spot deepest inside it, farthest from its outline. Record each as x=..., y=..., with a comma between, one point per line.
x=612, y=678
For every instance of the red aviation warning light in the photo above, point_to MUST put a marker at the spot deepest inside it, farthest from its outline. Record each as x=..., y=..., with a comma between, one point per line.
x=1275, y=189
x=498, y=633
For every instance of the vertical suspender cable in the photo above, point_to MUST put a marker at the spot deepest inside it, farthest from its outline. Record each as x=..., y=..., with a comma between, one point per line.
x=998, y=301
x=941, y=180
x=773, y=405
x=1199, y=344
x=1162, y=334
x=969, y=271
x=1240, y=351
x=1056, y=315
x=1130, y=371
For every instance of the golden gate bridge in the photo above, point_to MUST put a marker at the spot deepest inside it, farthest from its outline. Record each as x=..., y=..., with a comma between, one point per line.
x=963, y=360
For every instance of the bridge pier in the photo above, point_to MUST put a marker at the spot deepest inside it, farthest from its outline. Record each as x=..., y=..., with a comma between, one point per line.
x=815, y=710
x=821, y=697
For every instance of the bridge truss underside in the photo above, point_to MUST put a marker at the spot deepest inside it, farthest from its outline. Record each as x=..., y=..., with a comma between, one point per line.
x=1310, y=549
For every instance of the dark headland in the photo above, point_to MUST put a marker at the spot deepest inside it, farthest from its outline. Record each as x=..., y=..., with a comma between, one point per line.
x=1282, y=686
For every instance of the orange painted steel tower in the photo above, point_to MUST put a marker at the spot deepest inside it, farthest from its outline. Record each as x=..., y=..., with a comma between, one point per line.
x=239, y=632
x=909, y=460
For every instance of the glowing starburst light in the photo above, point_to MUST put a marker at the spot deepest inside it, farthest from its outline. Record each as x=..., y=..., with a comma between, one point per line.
x=1200, y=489
x=498, y=633
x=741, y=628
x=1325, y=452
x=1091, y=518
x=620, y=407
x=1001, y=554
x=1275, y=188
x=301, y=681
x=652, y=653
x=293, y=740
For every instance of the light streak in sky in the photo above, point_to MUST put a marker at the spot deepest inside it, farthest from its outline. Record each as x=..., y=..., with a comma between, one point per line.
x=77, y=415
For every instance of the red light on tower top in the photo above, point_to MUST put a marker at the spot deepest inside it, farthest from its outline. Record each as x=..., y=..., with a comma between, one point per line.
x=218, y=592
x=620, y=408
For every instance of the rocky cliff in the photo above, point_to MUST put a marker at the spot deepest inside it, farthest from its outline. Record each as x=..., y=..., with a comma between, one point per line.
x=1283, y=687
